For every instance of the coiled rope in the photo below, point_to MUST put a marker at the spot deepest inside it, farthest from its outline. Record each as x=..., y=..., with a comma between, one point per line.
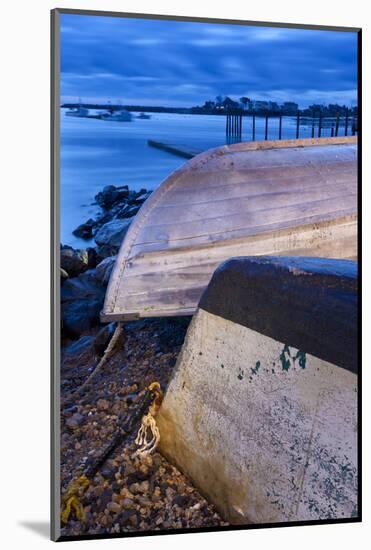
x=148, y=436
x=151, y=402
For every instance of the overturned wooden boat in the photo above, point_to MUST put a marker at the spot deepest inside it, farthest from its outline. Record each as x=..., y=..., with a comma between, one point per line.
x=261, y=408
x=294, y=197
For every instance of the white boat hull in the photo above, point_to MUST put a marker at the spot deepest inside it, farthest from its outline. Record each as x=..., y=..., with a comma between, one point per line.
x=294, y=197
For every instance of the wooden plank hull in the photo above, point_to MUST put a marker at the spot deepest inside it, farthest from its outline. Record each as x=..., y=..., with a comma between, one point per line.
x=295, y=197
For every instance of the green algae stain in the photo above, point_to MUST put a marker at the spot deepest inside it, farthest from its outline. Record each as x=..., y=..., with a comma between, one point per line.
x=257, y=367
x=285, y=359
x=301, y=356
x=288, y=360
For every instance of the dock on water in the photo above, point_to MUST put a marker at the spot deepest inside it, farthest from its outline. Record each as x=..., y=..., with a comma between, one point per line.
x=177, y=149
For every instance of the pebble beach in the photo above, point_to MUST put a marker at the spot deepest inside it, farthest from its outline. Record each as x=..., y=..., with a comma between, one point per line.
x=128, y=493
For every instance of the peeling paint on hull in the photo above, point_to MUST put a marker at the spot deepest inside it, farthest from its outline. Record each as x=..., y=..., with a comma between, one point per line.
x=278, y=445
x=267, y=431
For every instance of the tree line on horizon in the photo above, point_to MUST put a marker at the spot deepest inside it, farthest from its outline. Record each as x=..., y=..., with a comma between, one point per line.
x=224, y=105
x=246, y=105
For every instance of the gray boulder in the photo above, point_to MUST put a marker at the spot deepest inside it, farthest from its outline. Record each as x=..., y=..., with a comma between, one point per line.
x=128, y=211
x=74, y=261
x=85, y=230
x=111, y=195
x=81, y=302
x=104, y=269
x=141, y=196
x=112, y=233
x=106, y=251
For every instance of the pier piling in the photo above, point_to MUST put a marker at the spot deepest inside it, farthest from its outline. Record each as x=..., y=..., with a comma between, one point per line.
x=233, y=126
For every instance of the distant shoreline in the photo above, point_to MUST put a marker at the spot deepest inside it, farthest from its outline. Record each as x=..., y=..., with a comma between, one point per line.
x=191, y=110
x=144, y=108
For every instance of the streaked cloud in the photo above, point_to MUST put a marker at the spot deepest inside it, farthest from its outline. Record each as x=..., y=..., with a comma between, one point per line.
x=161, y=62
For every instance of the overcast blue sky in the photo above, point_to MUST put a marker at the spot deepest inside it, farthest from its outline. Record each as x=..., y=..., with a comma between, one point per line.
x=177, y=63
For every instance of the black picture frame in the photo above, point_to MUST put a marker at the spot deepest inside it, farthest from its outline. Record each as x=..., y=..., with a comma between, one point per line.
x=55, y=268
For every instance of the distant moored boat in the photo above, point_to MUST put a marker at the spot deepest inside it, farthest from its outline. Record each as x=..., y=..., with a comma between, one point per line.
x=119, y=116
x=78, y=112
x=293, y=197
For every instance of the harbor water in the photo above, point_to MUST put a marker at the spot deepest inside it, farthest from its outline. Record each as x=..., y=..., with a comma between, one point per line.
x=96, y=153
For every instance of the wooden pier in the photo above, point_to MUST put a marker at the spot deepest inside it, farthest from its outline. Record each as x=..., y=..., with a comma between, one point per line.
x=314, y=125
x=233, y=127
x=184, y=151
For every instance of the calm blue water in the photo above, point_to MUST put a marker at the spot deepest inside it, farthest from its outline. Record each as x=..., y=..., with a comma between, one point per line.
x=95, y=153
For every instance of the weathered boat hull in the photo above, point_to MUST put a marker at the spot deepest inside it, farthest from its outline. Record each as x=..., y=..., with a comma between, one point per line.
x=296, y=197
x=261, y=409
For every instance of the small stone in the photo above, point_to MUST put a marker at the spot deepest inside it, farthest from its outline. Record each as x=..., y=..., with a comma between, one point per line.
x=148, y=460
x=129, y=469
x=169, y=493
x=126, y=493
x=144, y=469
x=157, y=460
x=114, y=507
x=181, y=500
x=102, y=404
x=75, y=421
x=135, y=477
x=108, y=472
x=134, y=488
x=105, y=498
x=144, y=487
x=127, y=503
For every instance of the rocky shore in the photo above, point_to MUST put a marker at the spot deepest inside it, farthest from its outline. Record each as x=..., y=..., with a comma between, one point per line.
x=127, y=494
x=85, y=272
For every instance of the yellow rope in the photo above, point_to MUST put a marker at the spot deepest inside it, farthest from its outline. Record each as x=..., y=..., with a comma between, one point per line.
x=148, y=436
x=71, y=501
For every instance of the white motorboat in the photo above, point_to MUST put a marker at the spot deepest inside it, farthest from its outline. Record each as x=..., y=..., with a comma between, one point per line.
x=78, y=112
x=119, y=116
